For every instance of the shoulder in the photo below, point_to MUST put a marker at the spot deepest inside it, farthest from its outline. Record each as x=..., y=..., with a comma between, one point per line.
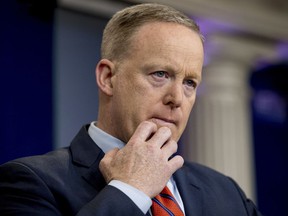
x=55, y=162
x=49, y=159
x=219, y=191
x=201, y=171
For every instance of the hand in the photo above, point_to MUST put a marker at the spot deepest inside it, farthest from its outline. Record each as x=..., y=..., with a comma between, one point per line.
x=144, y=161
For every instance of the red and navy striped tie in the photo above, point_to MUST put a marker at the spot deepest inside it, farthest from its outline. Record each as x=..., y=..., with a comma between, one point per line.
x=165, y=204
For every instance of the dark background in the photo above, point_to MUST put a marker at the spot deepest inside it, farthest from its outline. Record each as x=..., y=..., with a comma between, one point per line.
x=26, y=78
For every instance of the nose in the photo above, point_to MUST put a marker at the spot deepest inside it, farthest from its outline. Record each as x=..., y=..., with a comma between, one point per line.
x=174, y=95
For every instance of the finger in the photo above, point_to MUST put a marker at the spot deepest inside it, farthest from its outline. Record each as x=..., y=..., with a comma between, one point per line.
x=144, y=131
x=169, y=148
x=161, y=136
x=176, y=163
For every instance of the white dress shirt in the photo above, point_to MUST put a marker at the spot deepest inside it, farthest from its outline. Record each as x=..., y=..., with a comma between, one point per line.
x=107, y=142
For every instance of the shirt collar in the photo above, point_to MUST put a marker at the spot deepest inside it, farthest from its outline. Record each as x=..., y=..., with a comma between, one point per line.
x=104, y=140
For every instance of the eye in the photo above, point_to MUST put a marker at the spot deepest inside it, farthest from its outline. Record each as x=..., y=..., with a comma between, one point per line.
x=190, y=83
x=161, y=74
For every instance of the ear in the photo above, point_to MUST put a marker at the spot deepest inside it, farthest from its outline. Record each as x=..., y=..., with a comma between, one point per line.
x=104, y=73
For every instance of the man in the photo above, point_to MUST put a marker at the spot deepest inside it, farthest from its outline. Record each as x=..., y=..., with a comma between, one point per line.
x=151, y=65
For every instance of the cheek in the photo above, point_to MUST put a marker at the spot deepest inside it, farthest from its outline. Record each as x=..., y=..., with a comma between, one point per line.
x=134, y=103
x=186, y=112
x=188, y=105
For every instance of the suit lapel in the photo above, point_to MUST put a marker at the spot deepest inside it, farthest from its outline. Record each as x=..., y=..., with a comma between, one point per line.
x=94, y=177
x=88, y=155
x=190, y=192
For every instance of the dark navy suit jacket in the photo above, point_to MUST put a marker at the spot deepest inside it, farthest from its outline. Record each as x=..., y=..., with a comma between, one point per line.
x=68, y=182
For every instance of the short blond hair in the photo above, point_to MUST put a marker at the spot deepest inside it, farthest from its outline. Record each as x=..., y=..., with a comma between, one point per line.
x=118, y=32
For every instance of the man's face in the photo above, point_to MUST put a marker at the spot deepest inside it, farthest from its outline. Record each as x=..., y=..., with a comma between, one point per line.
x=157, y=81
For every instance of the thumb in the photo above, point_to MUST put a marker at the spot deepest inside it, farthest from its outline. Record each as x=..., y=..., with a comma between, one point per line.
x=111, y=153
x=105, y=164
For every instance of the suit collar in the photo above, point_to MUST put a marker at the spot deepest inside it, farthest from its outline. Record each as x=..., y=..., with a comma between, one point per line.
x=88, y=155
x=83, y=149
x=189, y=188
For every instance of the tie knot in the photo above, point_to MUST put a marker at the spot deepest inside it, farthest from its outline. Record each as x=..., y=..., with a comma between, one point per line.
x=166, y=191
x=165, y=204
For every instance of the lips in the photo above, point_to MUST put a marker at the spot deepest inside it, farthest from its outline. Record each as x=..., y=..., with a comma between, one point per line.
x=163, y=121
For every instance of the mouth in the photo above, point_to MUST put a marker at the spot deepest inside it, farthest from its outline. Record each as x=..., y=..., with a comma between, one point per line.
x=163, y=121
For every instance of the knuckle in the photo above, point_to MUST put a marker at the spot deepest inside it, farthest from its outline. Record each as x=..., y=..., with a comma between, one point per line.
x=150, y=147
x=133, y=141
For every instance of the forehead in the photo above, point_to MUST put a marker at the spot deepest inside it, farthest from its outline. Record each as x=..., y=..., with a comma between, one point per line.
x=159, y=36
x=164, y=30
x=168, y=44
